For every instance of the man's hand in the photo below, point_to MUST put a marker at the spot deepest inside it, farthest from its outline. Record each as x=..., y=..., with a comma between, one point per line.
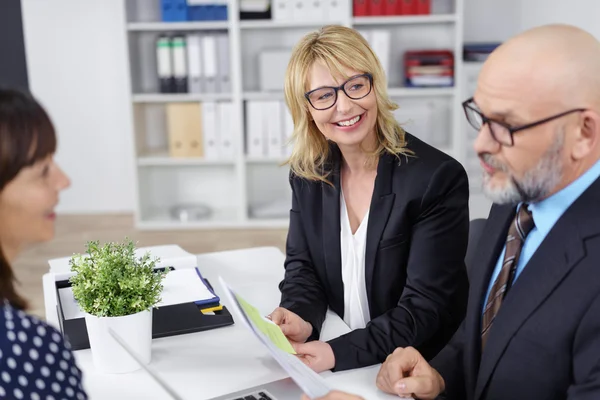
x=406, y=373
x=293, y=327
x=335, y=395
x=316, y=354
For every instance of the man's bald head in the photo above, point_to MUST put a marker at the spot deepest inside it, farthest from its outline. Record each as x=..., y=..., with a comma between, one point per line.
x=554, y=63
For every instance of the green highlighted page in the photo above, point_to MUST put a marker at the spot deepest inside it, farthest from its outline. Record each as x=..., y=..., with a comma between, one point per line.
x=269, y=329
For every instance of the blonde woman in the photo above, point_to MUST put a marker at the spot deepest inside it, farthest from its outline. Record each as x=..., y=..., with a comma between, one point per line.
x=379, y=219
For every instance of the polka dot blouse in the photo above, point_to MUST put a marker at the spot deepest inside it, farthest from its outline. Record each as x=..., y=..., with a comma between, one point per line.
x=35, y=361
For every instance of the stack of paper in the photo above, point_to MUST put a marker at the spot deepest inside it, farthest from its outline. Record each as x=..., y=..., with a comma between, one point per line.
x=280, y=348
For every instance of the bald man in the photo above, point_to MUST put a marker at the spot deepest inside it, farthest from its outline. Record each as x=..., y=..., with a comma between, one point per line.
x=532, y=329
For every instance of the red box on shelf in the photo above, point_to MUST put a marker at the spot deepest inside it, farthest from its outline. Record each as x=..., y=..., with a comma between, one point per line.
x=423, y=7
x=360, y=8
x=407, y=7
x=391, y=7
x=377, y=7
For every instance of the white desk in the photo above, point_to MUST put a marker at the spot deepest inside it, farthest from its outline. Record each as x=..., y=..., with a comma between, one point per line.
x=213, y=363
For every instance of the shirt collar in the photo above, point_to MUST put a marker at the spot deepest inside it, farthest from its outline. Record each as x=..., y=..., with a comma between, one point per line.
x=546, y=212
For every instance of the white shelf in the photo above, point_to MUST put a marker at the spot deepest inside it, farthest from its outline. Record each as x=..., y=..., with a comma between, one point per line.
x=405, y=19
x=179, y=97
x=265, y=160
x=271, y=24
x=164, y=160
x=421, y=92
x=176, y=26
x=263, y=95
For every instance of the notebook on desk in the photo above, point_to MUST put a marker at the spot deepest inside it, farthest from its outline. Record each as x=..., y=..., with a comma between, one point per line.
x=186, y=293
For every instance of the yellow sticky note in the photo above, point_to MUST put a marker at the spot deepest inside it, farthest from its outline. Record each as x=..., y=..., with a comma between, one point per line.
x=269, y=329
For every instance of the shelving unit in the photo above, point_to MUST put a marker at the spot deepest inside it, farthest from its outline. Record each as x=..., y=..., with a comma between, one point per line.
x=236, y=189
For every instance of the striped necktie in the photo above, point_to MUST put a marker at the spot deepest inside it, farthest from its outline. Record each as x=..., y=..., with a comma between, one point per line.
x=518, y=231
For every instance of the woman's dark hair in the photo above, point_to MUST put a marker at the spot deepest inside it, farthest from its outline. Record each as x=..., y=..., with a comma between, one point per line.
x=26, y=136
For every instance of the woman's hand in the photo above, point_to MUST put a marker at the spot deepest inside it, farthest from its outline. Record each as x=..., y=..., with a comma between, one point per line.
x=293, y=327
x=317, y=355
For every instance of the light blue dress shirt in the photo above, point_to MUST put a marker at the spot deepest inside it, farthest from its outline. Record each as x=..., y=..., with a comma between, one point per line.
x=545, y=214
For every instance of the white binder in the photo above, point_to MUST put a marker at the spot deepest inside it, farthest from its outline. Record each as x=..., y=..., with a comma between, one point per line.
x=380, y=42
x=272, y=116
x=335, y=10
x=209, y=53
x=224, y=80
x=194, y=53
x=288, y=130
x=226, y=135
x=211, y=130
x=283, y=10
x=255, y=130
x=301, y=11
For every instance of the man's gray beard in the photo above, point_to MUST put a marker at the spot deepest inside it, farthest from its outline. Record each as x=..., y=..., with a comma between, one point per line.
x=536, y=184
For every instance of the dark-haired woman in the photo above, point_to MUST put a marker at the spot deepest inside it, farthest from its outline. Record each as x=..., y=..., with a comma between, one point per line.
x=35, y=361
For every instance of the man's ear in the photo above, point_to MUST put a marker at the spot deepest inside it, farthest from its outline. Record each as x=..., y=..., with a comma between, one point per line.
x=588, y=137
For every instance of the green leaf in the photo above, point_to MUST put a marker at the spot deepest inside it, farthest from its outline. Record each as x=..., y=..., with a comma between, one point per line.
x=111, y=282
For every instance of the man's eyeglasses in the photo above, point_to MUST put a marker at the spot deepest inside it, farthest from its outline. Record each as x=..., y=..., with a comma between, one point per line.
x=501, y=132
x=325, y=97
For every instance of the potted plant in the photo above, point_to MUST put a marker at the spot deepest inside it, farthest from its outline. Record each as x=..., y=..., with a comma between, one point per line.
x=117, y=290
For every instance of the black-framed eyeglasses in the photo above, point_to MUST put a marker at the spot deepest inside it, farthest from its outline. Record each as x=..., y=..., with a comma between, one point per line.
x=355, y=88
x=501, y=132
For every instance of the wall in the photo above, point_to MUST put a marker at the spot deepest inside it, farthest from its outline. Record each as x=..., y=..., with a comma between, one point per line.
x=13, y=70
x=77, y=67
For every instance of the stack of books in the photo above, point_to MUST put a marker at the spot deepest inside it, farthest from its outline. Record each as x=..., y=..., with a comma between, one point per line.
x=429, y=68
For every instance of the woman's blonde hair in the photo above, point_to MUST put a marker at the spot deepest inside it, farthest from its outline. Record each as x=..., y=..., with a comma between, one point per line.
x=337, y=47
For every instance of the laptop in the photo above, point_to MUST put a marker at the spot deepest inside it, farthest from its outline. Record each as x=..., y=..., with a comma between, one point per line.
x=280, y=390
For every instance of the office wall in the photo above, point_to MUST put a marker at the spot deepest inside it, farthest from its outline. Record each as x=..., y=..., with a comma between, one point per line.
x=77, y=68
x=13, y=68
x=497, y=20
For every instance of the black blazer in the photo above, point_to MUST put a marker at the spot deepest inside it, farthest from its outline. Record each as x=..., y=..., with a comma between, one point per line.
x=414, y=264
x=545, y=341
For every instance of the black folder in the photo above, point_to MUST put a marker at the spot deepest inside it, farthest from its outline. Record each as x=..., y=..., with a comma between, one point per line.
x=177, y=319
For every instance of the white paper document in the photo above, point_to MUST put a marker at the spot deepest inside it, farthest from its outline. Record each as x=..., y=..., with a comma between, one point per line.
x=311, y=383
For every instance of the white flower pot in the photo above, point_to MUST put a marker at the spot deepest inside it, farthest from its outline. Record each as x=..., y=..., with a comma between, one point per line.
x=108, y=355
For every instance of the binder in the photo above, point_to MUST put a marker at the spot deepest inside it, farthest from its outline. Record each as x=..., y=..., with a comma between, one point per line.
x=271, y=112
x=317, y=12
x=408, y=7
x=164, y=64
x=380, y=42
x=194, y=62
x=288, y=130
x=282, y=10
x=209, y=58
x=334, y=10
x=174, y=10
x=226, y=135
x=423, y=7
x=210, y=130
x=255, y=129
x=361, y=8
x=171, y=320
x=391, y=7
x=178, y=47
x=376, y=7
x=302, y=11
x=184, y=127
x=224, y=81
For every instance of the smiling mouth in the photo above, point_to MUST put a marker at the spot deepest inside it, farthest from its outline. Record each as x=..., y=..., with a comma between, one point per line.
x=349, y=122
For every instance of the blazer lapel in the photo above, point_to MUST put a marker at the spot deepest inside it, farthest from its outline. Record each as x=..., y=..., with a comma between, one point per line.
x=560, y=251
x=331, y=232
x=489, y=248
x=379, y=212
